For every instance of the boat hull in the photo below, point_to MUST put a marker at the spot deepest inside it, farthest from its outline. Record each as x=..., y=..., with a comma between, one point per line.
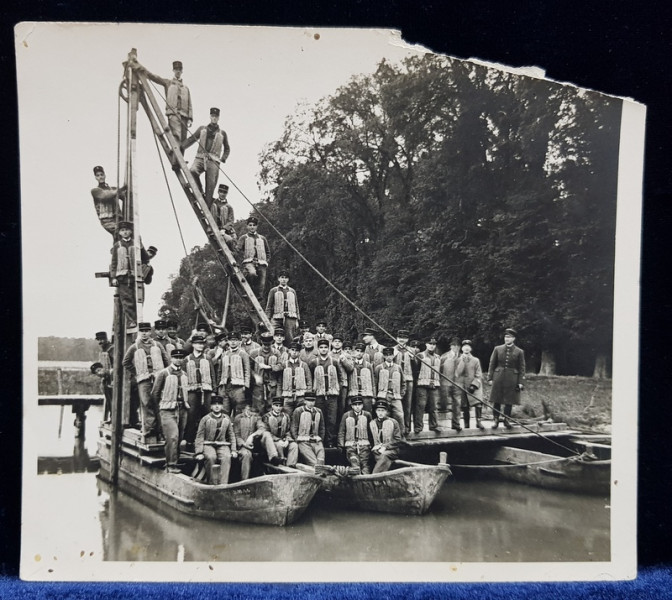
x=408, y=490
x=554, y=472
x=278, y=499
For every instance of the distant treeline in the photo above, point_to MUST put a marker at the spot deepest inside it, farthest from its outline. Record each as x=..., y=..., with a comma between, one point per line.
x=61, y=348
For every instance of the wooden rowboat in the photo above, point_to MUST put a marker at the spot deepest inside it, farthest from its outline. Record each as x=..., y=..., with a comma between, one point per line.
x=407, y=488
x=279, y=498
x=583, y=473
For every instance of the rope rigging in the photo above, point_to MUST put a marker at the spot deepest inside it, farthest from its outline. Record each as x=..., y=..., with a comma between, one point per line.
x=336, y=289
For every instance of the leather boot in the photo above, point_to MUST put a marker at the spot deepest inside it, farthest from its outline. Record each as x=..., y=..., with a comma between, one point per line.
x=465, y=417
x=478, y=417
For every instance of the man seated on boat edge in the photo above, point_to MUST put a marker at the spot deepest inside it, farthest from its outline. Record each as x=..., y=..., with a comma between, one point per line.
x=170, y=392
x=386, y=438
x=278, y=423
x=308, y=430
x=251, y=434
x=354, y=436
x=216, y=442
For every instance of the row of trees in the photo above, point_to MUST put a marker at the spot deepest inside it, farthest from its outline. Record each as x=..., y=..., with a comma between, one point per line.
x=447, y=197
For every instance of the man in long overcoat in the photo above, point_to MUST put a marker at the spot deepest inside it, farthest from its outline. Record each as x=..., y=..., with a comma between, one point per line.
x=506, y=374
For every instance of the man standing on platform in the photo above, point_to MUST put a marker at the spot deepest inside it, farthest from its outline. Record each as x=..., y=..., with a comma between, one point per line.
x=175, y=339
x=216, y=442
x=279, y=426
x=283, y=306
x=373, y=349
x=308, y=430
x=361, y=378
x=321, y=329
x=161, y=335
x=106, y=202
x=169, y=393
x=265, y=367
x=469, y=376
x=295, y=380
x=386, y=437
x=251, y=433
x=427, y=394
x=405, y=359
x=337, y=354
x=279, y=342
x=144, y=359
x=247, y=343
x=391, y=386
x=179, y=111
x=449, y=393
x=213, y=148
x=327, y=386
x=354, y=436
x=106, y=360
x=235, y=379
x=201, y=375
x=506, y=375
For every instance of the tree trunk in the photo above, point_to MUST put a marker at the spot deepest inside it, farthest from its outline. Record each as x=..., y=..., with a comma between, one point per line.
x=600, y=371
x=547, y=363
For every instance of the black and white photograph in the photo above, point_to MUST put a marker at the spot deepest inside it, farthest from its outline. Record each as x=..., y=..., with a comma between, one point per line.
x=320, y=305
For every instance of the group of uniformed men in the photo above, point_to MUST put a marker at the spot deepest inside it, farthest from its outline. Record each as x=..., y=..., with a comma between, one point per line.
x=226, y=395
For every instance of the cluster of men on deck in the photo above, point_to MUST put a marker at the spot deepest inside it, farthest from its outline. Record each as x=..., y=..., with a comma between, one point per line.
x=226, y=397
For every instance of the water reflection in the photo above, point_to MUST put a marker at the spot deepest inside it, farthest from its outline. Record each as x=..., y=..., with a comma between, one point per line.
x=470, y=522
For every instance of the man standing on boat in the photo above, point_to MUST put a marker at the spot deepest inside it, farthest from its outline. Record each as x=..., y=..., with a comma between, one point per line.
x=215, y=355
x=169, y=393
x=216, y=442
x=251, y=433
x=247, y=343
x=391, y=386
x=175, y=339
x=361, y=378
x=386, y=437
x=354, y=436
x=506, y=374
x=321, y=332
x=469, y=377
x=201, y=375
x=278, y=423
x=308, y=351
x=449, y=393
x=327, y=386
x=179, y=111
x=106, y=360
x=337, y=354
x=255, y=256
x=161, y=335
x=279, y=342
x=373, y=349
x=295, y=380
x=283, y=306
x=235, y=379
x=213, y=149
x=144, y=359
x=106, y=201
x=427, y=394
x=308, y=430
x=265, y=370
x=405, y=359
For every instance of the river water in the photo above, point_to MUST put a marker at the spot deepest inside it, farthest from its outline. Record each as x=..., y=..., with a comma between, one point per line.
x=470, y=521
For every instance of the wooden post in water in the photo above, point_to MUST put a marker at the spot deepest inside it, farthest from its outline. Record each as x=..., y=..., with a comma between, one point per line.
x=116, y=430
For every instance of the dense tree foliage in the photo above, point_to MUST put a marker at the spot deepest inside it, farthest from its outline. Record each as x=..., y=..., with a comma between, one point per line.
x=447, y=197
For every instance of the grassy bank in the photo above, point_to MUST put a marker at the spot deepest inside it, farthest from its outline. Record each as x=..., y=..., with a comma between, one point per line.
x=578, y=401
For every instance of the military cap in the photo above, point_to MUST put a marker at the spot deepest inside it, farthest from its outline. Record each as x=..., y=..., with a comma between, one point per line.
x=337, y=336
x=466, y=342
x=431, y=340
x=160, y=324
x=124, y=225
x=152, y=250
x=278, y=400
x=178, y=352
x=403, y=333
x=171, y=323
x=382, y=404
x=144, y=326
x=322, y=342
x=388, y=351
x=283, y=273
x=454, y=341
x=214, y=111
x=360, y=346
x=216, y=400
x=266, y=338
x=220, y=336
x=253, y=220
x=101, y=335
x=278, y=331
x=304, y=325
x=414, y=343
x=95, y=366
x=356, y=400
x=510, y=331
x=198, y=338
x=234, y=335
x=347, y=344
x=223, y=189
x=245, y=329
x=370, y=331
x=252, y=408
x=202, y=327
x=309, y=398
x=177, y=64
x=98, y=169
x=294, y=346
x=321, y=321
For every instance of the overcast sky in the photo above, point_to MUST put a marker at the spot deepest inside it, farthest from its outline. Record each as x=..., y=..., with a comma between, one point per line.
x=68, y=81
